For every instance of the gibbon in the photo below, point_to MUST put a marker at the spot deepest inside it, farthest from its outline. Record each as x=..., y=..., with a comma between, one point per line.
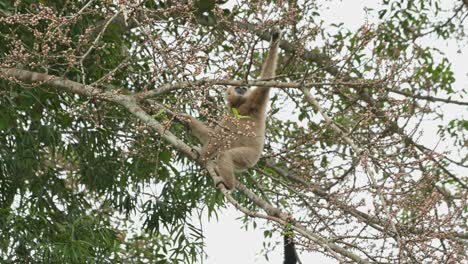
x=238, y=139
x=290, y=254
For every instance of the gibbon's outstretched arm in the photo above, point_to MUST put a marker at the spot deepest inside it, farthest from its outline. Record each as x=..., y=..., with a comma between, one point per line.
x=290, y=255
x=260, y=95
x=269, y=66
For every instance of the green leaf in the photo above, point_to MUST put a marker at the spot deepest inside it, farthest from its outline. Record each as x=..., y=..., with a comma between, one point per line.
x=237, y=115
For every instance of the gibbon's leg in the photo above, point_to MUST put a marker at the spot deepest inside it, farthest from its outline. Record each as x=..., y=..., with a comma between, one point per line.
x=235, y=159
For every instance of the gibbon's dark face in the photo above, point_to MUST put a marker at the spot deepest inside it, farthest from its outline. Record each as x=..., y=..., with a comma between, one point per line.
x=240, y=90
x=236, y=96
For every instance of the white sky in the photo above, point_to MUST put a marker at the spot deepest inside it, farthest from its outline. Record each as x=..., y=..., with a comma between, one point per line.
x=226, y=240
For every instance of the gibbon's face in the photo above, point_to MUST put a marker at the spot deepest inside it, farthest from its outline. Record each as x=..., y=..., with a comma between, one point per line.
x=236, y=96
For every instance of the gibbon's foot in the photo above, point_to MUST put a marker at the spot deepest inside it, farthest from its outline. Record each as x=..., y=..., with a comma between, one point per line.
x=220, y=180
x=176, y=119
x=183, y=120
x=276, y=212
x=275, y=34
x=196, y=151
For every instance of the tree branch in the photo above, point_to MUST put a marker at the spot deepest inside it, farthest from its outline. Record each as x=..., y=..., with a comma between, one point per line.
x=371, y=173
x=166, y=88
x=428, y=98
x=130, y=102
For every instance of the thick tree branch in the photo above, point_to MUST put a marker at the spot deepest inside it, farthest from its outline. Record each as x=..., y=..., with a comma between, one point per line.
x=127, y=101
x=130, y=102
x=166, y=88
x=163, y=89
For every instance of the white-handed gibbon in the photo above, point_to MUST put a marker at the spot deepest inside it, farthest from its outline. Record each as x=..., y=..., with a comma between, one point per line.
x=238, y=139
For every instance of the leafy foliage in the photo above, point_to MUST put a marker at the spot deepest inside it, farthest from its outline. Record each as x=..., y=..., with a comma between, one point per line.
x=83, y=180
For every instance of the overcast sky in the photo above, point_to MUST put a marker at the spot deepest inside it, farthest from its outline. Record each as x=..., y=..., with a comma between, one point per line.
x=226, y=240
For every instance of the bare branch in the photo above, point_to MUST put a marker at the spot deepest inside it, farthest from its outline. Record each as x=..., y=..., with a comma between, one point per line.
x=429, y=98
x=166, y=88
x=359, y=152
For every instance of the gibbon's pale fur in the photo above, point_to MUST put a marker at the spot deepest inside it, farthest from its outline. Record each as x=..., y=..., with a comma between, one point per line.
x=237, y=141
